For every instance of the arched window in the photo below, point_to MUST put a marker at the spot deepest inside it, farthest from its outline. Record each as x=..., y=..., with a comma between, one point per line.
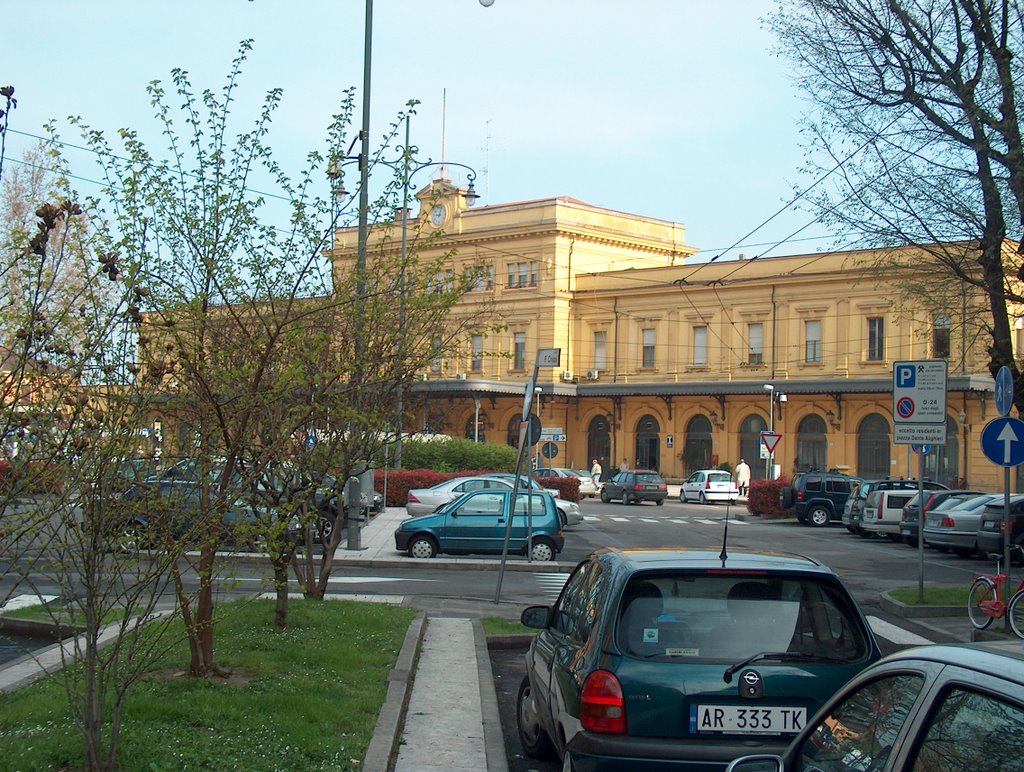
x=873, y=450
x=811, y=444
x=750, y=445
x=697, y=447
x=648, y=443
x=512, y=438
x=599, y=443
x=942, y=464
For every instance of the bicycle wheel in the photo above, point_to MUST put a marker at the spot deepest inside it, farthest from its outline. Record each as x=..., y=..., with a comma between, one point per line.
x=1016, y=613
x=983, y=591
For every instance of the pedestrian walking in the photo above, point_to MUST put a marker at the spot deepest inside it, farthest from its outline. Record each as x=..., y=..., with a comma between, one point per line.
x=743, y=477
x=595, y=471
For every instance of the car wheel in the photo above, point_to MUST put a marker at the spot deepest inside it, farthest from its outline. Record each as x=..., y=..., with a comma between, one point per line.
x=326, y=527
x=532, y=736
x=604, y=496
x=625, y=498
x=422, y=547
x=819, y=516
x=542, y=550
x=660, y=502
x=702, y=498
x=682, y=496
x=259, y=544
x=130, y=538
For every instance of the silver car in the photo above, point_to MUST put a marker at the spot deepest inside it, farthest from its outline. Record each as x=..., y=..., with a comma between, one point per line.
x=588, y=487
x=955, y=526
x=423, y=501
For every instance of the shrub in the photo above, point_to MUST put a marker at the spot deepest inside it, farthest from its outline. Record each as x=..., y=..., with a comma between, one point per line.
x=450, y=455
x=763, y=498
x=568, y=487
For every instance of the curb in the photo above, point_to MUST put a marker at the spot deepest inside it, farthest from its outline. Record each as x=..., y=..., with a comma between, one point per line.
x=380, y=755
x=906, y=611
x=494, y=737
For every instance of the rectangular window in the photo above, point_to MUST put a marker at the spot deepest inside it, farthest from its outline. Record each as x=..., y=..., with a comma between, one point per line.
x=435, y=364
x=941, y=329
x=876, y=339
x=478, y=353
x=755, y=344
x=481, y=278
x=648, y=353
x=444, y=281
x=519, y=351
x=522, y=274
x=600, y=351
x=812, y=342
x=700, y=346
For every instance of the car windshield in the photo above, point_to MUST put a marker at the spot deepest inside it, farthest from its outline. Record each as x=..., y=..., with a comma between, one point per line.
x=729, y=616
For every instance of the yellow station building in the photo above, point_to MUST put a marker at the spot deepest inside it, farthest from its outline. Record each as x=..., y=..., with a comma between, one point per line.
x=674, y=361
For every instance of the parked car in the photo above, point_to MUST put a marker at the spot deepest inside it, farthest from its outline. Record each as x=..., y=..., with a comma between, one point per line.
x=911, y=518
x=651, y=657
x=953, y=525
x=709, y=485
x=853, y=515
x=883, y=509
x=817, y=497
x=635, y=485
x=422, y=501
x=588, y=487
x=955, y=708
x=475, y=523
x=990, y=530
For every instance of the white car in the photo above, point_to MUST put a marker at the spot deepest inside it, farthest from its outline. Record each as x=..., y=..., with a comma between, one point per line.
x=423, y=501
x=588, y=486
x=709, y=485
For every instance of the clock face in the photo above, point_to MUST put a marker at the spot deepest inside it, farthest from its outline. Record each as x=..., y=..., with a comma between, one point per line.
x=438, y=215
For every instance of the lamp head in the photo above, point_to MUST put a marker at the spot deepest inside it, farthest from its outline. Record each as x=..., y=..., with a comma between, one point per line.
x=486, y=3
x=768, y=387
x=783, y=398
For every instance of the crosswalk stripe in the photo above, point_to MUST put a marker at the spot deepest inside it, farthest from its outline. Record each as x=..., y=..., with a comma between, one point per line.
x=895, y=633
x=621, y=519
x=706, y=521
x=648, y=520
x=678, y=520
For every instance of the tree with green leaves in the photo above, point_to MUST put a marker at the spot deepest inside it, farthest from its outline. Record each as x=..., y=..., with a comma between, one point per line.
x=916, y=140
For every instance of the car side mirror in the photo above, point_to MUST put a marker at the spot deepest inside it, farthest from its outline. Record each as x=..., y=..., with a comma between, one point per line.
x=536, y=617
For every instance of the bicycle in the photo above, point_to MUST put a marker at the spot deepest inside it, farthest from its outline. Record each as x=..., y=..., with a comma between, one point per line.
x=985, y=601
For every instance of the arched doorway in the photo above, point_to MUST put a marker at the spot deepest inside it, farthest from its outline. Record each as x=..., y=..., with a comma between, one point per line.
x=697, y=447
x=943, y=463
x=811, y=444
x=512, y=433
x=599, y=443
x=648, y=443
x=750, y=445
x=873, y=449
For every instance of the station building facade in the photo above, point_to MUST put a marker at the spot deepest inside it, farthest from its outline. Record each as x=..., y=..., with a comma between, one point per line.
x=676, y=362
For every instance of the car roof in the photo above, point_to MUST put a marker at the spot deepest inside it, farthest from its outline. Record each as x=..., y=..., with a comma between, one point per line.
x=1004, y=659
x=639, y=559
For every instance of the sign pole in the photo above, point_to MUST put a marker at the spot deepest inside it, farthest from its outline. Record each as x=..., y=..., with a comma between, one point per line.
x=1006, y=537
x=920, y=528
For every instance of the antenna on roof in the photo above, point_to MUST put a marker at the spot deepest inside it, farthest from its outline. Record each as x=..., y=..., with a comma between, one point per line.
x=725, y=536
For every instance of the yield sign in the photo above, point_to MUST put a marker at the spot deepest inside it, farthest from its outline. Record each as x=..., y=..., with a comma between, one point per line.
x=770, y=440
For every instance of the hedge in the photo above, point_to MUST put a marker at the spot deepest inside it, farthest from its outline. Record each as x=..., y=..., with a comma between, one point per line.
x=763, y=498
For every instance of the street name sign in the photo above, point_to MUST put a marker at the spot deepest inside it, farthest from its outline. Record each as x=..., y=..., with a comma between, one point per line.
x=1002, y=441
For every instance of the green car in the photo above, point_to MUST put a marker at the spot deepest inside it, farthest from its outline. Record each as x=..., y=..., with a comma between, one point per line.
x=476, y=522
x=684, y=659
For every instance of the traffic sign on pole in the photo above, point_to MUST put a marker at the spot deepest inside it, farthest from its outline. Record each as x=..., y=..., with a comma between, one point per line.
x=924, y=450
x=1004, y=390
x=1002, y=441
x=770, y=440
x=919, y=401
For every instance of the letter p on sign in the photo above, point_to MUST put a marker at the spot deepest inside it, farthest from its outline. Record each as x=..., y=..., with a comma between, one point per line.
x=905, y=377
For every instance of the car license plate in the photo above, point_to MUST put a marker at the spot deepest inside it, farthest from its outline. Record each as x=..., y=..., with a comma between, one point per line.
x=741, y=719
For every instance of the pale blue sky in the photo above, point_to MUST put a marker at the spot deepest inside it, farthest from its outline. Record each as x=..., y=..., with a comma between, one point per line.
x=674, y=109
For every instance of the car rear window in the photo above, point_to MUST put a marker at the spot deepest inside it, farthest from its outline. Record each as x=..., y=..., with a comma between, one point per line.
x=719, y=477
x=839, y=486
x=649, y=479
x=726, y=617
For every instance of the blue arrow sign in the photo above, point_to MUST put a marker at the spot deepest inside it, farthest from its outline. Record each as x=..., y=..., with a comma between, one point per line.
x=1004, y=390
x=1002, y=441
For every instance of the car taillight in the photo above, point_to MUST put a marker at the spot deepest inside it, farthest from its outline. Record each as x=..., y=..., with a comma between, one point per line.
x=947, y=522
x=638, y=487
x=707, y=485
x=799, y=495
x=413, y=499
x=602, y=706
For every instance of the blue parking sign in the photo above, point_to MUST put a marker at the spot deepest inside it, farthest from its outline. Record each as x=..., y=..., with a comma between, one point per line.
x=906, y=376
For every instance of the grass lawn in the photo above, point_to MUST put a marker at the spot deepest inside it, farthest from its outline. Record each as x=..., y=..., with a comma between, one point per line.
x=933, y=596
x=307, y=698
x=55, y=614
x=503, y=626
